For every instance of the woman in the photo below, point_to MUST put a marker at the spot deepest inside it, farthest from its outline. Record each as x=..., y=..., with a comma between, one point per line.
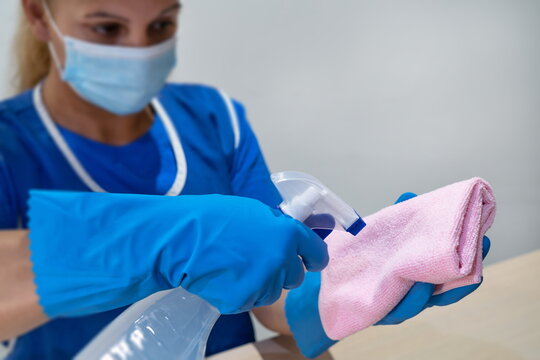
x=95, y=115
x=96, y=122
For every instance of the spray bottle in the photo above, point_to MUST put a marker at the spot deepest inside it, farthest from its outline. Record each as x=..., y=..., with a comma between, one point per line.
x=175, y=324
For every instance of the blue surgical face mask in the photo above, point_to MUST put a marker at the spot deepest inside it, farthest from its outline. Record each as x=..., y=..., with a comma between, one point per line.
x=122, y=80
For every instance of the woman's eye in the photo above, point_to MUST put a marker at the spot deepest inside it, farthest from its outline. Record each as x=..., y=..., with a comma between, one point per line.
x=108, y=29
x=162, y=26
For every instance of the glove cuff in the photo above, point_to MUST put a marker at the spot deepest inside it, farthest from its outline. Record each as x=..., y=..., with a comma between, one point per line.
x=302, y=311
x=78, y=262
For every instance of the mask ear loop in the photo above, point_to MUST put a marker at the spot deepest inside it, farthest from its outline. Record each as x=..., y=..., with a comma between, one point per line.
x=56, y=29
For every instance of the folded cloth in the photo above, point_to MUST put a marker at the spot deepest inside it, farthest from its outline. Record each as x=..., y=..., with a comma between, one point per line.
x=434, y=238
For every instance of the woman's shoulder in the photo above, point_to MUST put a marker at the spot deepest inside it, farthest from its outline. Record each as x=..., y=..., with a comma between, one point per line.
x=16, y=104
x=188, y=89
x=15, y=113
x=208, y=106
x=196, y=94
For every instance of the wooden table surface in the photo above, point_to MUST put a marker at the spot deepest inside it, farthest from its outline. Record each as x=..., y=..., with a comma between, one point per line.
x=501, y=320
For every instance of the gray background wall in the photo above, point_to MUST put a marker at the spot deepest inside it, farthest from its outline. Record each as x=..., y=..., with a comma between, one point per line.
x=376, y=98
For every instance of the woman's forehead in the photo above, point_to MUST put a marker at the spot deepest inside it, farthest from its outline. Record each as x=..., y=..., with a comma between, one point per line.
x=125, y=8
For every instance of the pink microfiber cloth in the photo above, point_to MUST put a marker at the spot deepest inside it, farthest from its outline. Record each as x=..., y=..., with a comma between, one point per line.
x=434, y=238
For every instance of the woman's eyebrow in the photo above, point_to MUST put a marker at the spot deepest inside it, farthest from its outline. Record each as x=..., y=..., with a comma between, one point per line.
x=103, y=14
x=176, y=6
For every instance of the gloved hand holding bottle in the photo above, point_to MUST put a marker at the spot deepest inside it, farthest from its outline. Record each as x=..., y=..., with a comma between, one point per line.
x=93, y=252
x=302, y=308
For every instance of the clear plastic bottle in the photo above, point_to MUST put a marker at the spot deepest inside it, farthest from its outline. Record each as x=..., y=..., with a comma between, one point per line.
x=172, y=324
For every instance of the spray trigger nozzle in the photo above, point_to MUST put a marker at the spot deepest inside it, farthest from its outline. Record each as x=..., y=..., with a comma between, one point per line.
x=307, y=200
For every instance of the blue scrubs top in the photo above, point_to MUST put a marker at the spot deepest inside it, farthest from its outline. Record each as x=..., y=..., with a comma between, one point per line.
x=217, y=153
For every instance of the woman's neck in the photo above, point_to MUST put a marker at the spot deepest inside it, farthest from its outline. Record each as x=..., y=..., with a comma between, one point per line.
x=72, y=112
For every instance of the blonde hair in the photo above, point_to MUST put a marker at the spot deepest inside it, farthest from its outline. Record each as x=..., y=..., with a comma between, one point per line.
x=32, y=57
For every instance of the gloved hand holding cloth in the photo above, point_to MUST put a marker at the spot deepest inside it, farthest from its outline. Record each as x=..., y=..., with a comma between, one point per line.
x=430, y=245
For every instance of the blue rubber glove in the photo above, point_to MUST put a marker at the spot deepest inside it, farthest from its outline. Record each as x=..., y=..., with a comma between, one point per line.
x=95, y=252
x=302, y=309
